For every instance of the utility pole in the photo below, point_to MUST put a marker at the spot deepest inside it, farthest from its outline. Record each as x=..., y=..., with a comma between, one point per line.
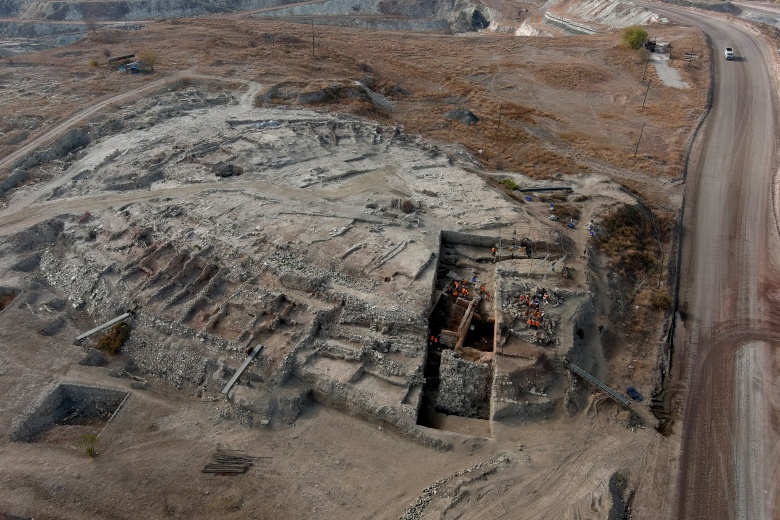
x=646, y=91
x=647, y=62
x=638, y=140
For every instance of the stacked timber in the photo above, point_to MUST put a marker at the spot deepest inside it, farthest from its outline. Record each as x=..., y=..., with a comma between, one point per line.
x=227, y=462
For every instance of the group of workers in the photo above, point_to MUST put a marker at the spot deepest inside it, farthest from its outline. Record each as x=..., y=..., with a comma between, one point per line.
x=512, y=248
x=464, y=288
x=533, y=315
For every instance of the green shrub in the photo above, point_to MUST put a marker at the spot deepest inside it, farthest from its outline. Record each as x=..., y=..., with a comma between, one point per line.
x=88, y=443
x=113, y=340
x=509, y=184
x=633, y=37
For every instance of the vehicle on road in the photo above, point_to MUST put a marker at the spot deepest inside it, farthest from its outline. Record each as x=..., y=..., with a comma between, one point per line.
x=729, y=53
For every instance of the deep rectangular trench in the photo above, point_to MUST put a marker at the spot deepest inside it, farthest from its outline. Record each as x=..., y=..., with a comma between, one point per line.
x=458, y=379
x=70, y=404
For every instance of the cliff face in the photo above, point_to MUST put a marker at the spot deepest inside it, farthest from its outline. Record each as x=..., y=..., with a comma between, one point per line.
x=124, y=9
x=457, y=14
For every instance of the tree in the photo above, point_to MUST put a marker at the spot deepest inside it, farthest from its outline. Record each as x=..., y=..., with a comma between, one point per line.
x=634, y=37
x=148, y=58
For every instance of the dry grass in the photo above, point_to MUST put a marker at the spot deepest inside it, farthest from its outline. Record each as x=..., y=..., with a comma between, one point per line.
x=546, y=106
x=633, y=240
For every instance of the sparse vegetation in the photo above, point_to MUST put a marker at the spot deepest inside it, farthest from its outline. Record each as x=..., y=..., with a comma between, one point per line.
x=633, y=37
x=113, y=340
x=661, y=300
x=88, y=443
x=509, y=184
x=148, y=58
x=555, y=196
x=110, y=36
x=633, y=240
x=566, y=212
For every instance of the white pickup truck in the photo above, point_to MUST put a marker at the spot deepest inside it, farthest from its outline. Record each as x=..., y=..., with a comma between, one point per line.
x=729, y=53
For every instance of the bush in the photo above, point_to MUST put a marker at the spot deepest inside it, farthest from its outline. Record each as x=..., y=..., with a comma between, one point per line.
x=633, y=37
x=112, y=341
x=93, y=62
x=660, y=300
x=509, y=184
x=148, y=58
x=88, y=443
x=633, y=240
x=566, y=212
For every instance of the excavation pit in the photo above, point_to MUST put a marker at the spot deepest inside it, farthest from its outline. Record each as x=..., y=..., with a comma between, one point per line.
x=67, y=412
x=7, y=296
x=480, y=335
x=461, y=338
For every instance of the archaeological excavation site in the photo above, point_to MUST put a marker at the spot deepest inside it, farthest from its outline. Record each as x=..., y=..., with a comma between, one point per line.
x=234, y=285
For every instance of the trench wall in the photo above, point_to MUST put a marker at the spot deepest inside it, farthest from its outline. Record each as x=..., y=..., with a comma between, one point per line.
x=46, y=411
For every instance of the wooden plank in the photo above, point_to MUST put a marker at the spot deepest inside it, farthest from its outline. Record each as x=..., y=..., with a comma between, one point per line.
x=104, y=326
x=240, y=371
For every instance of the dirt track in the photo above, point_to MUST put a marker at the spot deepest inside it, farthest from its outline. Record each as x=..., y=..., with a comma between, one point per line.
x=729, y=455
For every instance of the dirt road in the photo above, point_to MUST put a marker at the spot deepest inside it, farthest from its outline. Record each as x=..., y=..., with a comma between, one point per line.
x=727, y=371
x=6, y=163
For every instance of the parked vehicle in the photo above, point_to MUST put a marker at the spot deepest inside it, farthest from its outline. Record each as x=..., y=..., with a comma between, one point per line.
x=633, y=394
